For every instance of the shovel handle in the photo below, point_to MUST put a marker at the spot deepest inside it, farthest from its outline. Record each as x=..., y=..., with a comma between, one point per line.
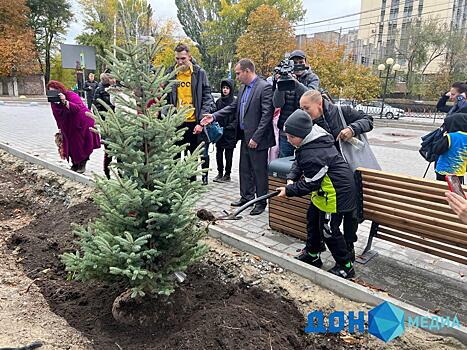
x=253, y=201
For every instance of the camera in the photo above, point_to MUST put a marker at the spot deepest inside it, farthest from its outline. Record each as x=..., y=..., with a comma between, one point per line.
x=285, y=69
x=52, y=96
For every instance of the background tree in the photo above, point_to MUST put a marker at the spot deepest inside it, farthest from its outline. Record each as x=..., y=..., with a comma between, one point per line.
x=215, y=27
x=146, y=233
x=267, y=38
x=423, y=43
x=17, y=50
x=49, y=20
x=66, y=76
x=164, y=35
x=339, y=75
x=101, y=24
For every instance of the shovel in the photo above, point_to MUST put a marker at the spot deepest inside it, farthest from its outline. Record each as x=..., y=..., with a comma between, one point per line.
x=234, y=215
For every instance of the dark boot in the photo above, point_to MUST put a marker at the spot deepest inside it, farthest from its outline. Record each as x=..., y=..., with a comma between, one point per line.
x=218, y=178
x=74, y=167
x=204, y=178
x=81, y=167
x=226, y=178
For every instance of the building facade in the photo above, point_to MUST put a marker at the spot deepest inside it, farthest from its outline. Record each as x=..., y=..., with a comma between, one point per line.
x=384, y=25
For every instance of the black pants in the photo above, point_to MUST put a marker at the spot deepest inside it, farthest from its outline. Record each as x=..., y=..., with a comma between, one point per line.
x=440, y=177
x=253, y=172
x=228, y=160
x=193, y=141
x=350, y=227
x=321, y=225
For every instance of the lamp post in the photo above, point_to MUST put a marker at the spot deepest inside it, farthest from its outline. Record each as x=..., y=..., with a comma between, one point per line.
x=382, y=67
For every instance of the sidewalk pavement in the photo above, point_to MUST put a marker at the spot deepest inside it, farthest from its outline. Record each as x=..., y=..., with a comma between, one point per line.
x=423, y=280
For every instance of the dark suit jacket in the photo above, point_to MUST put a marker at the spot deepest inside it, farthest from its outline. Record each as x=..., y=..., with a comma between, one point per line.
x=259, y=110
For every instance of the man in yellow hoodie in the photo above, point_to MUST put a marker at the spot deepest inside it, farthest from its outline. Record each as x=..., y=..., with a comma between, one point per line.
x=193, y=90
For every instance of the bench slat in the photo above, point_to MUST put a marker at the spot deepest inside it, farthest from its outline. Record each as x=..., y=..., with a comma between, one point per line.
x=417, y=227
x=290, y=202
x=462, y=244
x=292, y=221
x=405, y=192
x=404, y=199
x=299, y=213
x=450, y=217
x=410, y=179
x=440, y=224
x=420, y=187
x=422, y=241
x=424, y=249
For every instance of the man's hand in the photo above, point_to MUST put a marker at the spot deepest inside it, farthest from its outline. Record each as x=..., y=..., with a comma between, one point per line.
x=252, y=144
x=345, y=134
x=198, y=129
x=289, y=182
x=448, y=94
x=458, y=205
x=207, y=119
x=282, y=191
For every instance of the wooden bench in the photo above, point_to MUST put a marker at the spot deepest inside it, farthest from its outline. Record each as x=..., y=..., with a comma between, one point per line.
x=412, y=212
x=405, y=210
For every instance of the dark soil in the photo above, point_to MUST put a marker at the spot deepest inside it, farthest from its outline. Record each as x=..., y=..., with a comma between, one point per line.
x=205, y=313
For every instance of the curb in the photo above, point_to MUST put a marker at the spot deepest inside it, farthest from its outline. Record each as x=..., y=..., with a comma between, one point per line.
x=326, y=280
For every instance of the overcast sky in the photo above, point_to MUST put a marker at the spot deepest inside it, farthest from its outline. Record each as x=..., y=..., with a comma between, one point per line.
x=316, y=11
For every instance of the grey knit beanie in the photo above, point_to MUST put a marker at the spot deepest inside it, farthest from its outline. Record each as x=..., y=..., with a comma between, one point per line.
x=298, y=124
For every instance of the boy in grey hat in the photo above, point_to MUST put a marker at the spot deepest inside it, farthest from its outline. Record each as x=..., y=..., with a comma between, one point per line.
x=322, y=172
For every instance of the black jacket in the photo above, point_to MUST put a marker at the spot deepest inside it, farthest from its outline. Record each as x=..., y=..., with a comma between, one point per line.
x=90, y=88
x=325, y=174
x=203, y=101
x=229, y=138
x=102, y=94
x=258, y=115
x=289, y=101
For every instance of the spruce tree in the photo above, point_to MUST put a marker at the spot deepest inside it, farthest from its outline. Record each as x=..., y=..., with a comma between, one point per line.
x=147, y=232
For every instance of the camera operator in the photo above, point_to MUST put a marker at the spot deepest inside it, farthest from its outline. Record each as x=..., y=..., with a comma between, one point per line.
x=289, y=101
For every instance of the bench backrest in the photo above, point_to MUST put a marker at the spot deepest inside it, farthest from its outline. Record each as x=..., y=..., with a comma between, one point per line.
x=413, y=212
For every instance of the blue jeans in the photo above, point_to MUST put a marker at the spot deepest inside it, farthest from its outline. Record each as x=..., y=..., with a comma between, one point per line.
x=285, y=148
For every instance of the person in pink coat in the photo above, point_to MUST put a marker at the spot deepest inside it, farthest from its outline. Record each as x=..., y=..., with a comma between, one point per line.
x=74, y=121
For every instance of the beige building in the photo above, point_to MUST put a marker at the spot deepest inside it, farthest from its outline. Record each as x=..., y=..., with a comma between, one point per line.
x=383, y=23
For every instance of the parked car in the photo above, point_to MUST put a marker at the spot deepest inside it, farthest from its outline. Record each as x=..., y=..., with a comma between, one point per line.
x=374, y=108
x=344, y=102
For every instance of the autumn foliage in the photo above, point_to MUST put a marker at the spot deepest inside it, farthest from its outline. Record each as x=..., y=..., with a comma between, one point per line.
x=17, y=48
x=268, y=37
x=339, y=75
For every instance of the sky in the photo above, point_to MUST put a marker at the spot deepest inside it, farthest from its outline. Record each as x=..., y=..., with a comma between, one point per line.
x=316, y=10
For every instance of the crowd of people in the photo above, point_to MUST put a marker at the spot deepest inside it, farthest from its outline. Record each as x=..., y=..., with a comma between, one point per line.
x=300, y=121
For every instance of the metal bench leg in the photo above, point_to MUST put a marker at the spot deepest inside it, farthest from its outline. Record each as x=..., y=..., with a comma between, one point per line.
x=369, y=254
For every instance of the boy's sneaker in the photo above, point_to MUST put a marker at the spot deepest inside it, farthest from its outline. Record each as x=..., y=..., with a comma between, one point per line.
x=309, y=259
x=343, y=271
x=218, y=178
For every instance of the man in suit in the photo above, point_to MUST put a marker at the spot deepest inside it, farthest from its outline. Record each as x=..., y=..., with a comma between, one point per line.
x=254, y=111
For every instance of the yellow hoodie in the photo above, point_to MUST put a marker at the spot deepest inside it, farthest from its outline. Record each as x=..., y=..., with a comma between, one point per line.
x=184, y=94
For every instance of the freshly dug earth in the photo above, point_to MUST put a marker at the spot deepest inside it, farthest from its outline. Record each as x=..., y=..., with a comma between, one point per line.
x=230, y=300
